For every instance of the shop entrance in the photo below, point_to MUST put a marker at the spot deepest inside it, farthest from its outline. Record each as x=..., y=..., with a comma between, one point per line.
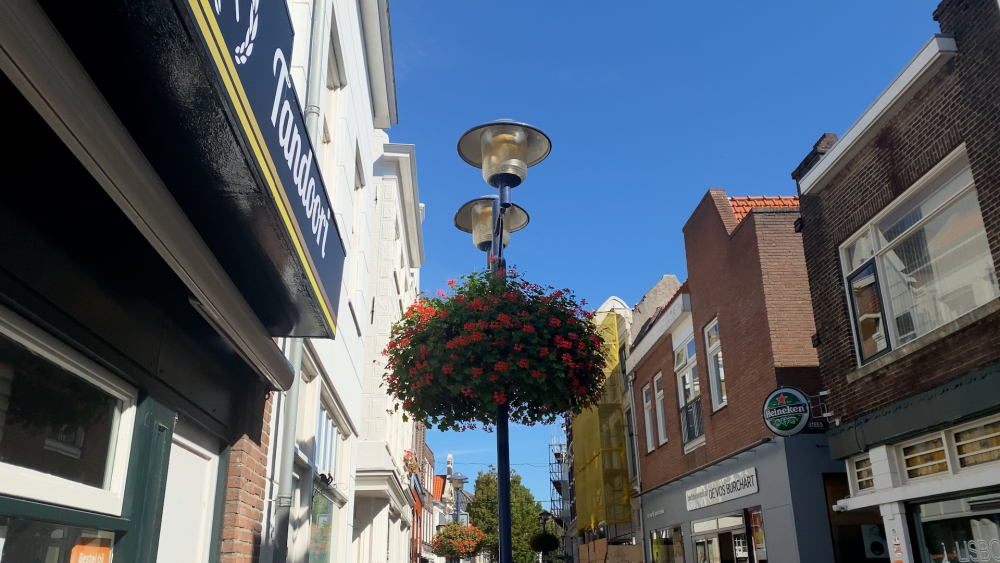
x=720, y=540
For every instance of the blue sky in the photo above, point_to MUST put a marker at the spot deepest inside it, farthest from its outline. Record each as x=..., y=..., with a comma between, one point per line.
x=648, y=105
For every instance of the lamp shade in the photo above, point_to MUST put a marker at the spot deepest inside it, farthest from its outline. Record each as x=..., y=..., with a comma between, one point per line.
x=476, y=217
x=504, y=149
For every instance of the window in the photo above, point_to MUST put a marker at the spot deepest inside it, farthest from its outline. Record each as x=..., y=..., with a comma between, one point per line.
x=630, y=443
x=688, y=391
x=923, y=262
x=716, y=375
x=661, y=421
x=925, y=458
x=65, y=423
x=667, y=545
x=327, y=443
x=979, y=444
x=863, y=473
x=647, y=405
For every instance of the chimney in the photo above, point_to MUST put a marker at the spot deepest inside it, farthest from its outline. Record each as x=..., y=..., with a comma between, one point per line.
x=449, y=464
x=822, y=146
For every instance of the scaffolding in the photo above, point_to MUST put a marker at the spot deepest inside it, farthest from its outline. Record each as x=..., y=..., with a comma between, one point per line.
x=600, y=466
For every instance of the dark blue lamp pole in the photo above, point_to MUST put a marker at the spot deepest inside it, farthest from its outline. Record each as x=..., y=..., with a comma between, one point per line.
x=457, y=483
x=504, y=150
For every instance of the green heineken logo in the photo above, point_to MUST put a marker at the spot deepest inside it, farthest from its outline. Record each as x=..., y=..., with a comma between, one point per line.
x=786, y=411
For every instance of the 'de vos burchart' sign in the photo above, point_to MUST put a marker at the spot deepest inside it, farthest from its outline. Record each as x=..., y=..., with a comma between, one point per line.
x=728, y=488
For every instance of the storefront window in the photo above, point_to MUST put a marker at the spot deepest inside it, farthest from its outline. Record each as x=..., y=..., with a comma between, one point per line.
x=925, y=458
x=53, y=421
x=977, y=445
x=65, y=422
x=667, y=545
x=966, y=529
x=26, y=541
x=757, y=533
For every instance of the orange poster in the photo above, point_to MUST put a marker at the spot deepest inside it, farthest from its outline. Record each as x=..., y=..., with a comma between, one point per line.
x=91, y=550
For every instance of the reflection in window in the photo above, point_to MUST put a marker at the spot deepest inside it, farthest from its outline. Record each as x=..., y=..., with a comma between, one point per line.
x=320, y=527
x=867, y=306
x=52, y=420
x=26, y=541
x=667, y=545
x=922, y=264
x=965, y=529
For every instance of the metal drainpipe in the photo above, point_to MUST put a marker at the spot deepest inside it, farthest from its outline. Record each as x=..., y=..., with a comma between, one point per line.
x=314, y=85
x=283, y=506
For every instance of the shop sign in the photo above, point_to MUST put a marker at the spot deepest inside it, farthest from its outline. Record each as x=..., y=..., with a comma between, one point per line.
x=728, y=488
x=91, y=550
x=786, y=411
x=655, y=513
x=250, y=44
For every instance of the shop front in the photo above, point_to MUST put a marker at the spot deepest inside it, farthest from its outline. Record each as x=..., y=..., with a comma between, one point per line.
x=763, y=504
x=147, y=273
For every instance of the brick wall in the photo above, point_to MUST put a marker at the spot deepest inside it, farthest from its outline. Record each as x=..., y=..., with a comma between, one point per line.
x=959, y=104
x=243, y=517
x=751, y=276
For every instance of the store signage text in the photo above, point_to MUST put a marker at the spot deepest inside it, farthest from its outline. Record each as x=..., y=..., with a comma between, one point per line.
x=786, y=411
x=976, y=551
x=250, y=44
x=655, y=513
x=734, y=486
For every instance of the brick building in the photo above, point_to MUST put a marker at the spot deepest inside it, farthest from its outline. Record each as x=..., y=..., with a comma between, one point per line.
x=901, y=230
x=699, y=427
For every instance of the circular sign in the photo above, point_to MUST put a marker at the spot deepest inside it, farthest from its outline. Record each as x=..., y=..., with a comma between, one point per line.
x=786, y=411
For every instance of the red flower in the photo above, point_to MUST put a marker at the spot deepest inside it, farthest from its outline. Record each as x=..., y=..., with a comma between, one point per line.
x=494, y=377
x=501, y=366
x=447, y=369
x=477, y=336
x=554, y=322
x=451, y=283
x=544, y=351
x=518, y=347
x=523, y=363
x=476, y=372
x=528, y=328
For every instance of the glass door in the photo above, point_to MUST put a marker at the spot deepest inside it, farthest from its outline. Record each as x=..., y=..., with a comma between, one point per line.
x=706, y=550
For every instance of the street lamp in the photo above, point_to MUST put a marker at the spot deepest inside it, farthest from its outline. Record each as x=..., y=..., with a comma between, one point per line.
x=458, y=482
x=504, y=150
x=476, y=217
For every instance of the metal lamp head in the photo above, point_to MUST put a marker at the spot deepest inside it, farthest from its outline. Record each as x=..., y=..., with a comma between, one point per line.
x=504, y=149
x=458, y=481
x=476, y=217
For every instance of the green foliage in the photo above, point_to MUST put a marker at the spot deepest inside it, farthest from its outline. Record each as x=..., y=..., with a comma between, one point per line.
x=495, y=340
x=524, y=511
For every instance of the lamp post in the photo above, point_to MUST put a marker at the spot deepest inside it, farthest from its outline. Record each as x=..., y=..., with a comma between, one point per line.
x=504, y=150
x=458, y=483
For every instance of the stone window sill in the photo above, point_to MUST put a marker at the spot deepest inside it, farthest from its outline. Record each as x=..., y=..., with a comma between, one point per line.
x=933, y=336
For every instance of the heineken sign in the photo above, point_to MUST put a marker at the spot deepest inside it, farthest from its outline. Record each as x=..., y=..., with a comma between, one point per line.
x=786, y=411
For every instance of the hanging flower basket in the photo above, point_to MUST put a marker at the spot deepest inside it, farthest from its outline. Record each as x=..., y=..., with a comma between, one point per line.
x=494, y=340
x=543, y=542
x=458, y=540
x=410, y=462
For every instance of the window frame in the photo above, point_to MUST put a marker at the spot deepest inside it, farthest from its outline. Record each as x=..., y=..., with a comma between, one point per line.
x=38, y=486
x=659, y=397
x=947, y=445
x=647, y=407
x=852, y=472
x=870, y=229
x=714, y=381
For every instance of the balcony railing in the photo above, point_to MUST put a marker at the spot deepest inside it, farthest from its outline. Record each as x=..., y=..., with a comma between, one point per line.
x=691, y=426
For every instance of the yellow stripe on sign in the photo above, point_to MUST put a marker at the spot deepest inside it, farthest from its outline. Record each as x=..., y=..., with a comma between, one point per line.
x=220, y=53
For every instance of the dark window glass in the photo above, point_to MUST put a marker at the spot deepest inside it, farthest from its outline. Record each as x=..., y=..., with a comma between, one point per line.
x=26, y=541
x=52, y=420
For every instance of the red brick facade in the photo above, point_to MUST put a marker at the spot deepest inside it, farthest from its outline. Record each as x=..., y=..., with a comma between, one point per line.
x=243, y=518
x=750, y=274
x=959, y=104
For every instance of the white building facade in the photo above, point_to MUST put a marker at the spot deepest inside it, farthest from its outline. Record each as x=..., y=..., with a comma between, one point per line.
x=349, y=484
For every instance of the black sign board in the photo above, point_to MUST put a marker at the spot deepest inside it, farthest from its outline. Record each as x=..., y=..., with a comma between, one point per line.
x=250, y=43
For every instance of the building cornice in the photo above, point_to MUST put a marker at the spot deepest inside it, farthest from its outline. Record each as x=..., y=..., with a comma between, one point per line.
x=938, y=51
x=378, y=52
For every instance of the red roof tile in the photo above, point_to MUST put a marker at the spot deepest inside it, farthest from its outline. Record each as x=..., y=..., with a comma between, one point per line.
x=744, y=204
x=438, y=486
